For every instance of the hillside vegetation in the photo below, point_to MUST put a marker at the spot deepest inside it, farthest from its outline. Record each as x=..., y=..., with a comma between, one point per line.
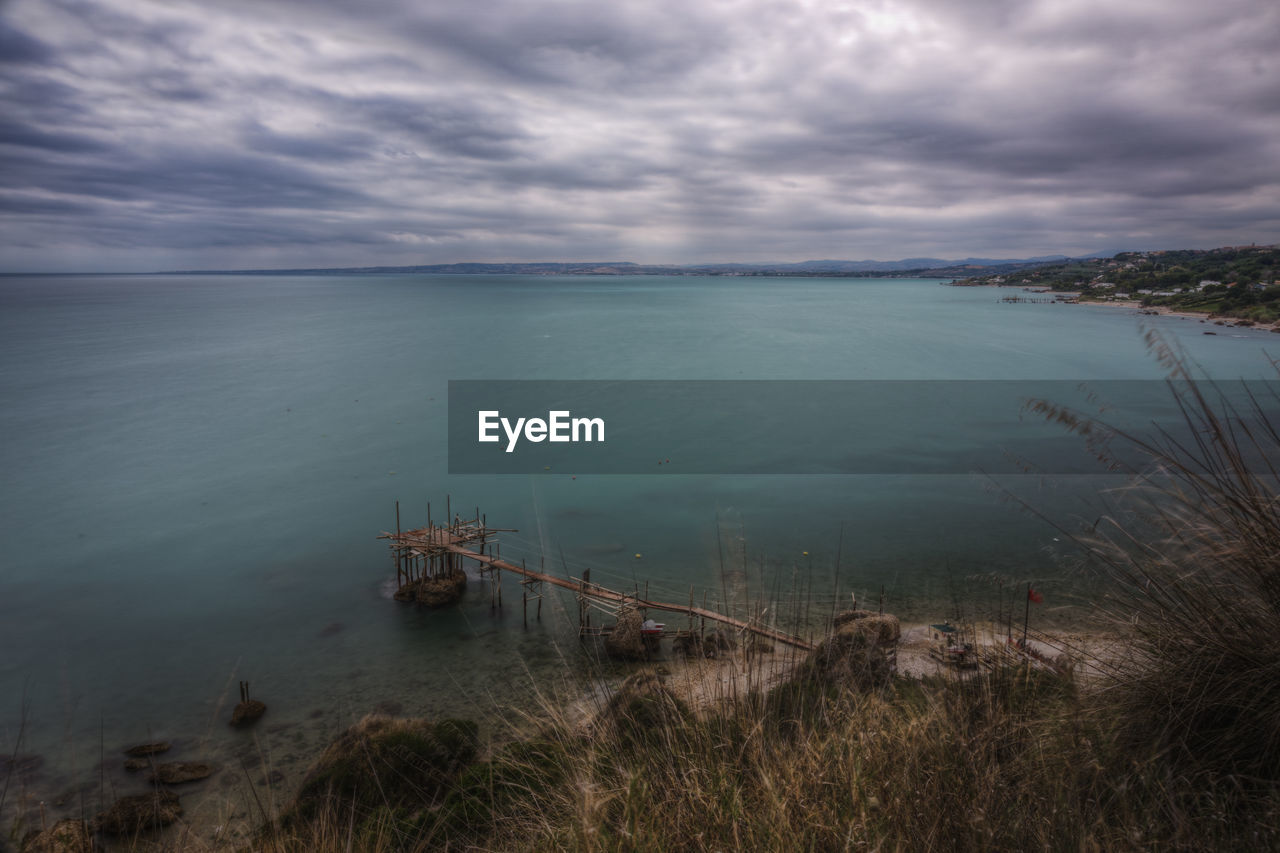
x=1234, y=282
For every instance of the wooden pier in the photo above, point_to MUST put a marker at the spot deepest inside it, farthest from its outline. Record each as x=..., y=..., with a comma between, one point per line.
x=435, y=553
x=1040, y=300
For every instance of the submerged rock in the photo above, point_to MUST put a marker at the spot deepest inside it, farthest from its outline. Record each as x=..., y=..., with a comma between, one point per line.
x=22, y=764
x=65, y=836
x=438, y=591
x=144, y=749
x=275, y=777
x=247, y=712
x=131, y=815
x=178, y=772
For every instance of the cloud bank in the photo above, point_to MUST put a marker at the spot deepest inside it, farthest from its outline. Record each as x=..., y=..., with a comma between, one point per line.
x=140, y=135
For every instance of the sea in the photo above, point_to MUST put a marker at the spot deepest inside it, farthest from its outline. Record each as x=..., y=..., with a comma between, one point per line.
x=195, y=470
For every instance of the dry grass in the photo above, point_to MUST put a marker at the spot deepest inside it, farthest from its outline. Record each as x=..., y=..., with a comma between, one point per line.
x=1194, y=575
x=1014, y=760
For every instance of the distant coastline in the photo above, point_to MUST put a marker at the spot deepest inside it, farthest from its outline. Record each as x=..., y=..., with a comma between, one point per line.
x=904, y=268
x=1240, y=282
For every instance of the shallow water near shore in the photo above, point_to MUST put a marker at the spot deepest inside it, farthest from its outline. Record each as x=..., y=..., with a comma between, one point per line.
x=195, y=469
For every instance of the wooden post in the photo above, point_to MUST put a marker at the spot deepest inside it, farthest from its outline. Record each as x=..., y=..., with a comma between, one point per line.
x=1009, y=620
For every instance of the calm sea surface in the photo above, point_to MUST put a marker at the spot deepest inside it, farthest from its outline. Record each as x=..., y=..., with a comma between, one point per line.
x=194, y=470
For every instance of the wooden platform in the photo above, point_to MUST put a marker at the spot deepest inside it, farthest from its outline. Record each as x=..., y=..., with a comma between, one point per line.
x=435, y=550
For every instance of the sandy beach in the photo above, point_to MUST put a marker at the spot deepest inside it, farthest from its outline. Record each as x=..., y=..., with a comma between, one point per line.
x=708, y=685
x=1136, y=305
x=1199, y=316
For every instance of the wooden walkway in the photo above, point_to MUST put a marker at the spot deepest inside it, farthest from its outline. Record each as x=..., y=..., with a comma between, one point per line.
x=433, y=550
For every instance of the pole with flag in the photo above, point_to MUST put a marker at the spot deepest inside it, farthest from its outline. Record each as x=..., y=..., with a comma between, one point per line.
x=1032, y=596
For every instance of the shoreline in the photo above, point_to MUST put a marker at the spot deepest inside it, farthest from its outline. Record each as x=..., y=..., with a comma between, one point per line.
x=225, y=810
x=1200, y=316
x=1136, y=305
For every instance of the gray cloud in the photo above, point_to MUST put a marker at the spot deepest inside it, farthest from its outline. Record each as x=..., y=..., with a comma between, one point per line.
x=145, y=134
x=18, y=47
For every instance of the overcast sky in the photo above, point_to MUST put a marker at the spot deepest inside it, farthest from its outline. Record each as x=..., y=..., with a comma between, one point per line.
x=137, y=135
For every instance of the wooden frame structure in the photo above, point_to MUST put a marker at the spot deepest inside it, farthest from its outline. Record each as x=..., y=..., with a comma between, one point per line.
x=437, y=551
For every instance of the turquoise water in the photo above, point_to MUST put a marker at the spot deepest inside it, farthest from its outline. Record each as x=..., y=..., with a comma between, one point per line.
x=195, y=470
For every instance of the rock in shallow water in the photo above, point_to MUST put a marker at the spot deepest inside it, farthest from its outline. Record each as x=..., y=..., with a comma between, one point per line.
x=178, y=772
x=247, y=712
x=435, y=591
x=144, y=749
x=139, y=813
x=21, y=765
x=65, y=836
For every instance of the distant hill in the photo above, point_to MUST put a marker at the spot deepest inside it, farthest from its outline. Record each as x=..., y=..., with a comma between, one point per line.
x=912, y=267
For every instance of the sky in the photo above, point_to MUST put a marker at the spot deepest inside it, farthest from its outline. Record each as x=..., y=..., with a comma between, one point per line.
x=138, y=135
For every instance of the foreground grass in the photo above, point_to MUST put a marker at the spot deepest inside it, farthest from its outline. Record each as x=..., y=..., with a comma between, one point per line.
x=1013, y=760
